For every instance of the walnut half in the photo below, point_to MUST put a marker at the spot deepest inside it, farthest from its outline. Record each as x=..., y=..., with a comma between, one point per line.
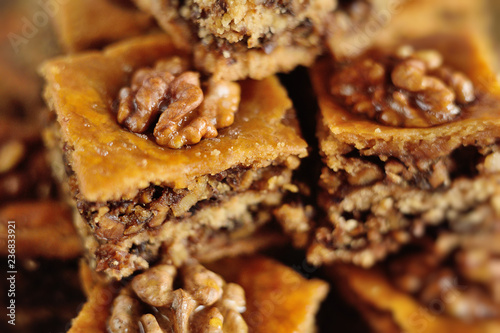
x=171, y=97
x=202, y=302
x=406, y=89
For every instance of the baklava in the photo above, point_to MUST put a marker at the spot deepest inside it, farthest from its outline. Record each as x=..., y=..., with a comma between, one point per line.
x=186, y=169
x=246, y=294
x=410, y=138
x=435, y=285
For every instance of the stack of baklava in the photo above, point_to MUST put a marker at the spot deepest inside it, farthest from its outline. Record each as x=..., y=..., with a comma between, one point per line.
x=175, y=131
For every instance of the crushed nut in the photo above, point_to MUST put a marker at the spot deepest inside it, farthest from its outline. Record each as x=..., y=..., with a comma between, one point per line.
x=11, y=154
x=440, y=175
x=172, y=97
x=208, y=320
x=408, y=89
x=150, y=324
x=155, y=285
x=363, y=173
x=204, y=303
x=123, y=316
x=204, y=285
x=109, y=227
x=456, y=270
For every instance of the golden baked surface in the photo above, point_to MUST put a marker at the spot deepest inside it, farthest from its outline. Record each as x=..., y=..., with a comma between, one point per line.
x=279, y=299
x=111, y=163
x=362, y=24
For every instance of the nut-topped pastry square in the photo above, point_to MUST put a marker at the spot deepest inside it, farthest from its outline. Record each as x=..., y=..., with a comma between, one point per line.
x=157, y=156
x=410, y=138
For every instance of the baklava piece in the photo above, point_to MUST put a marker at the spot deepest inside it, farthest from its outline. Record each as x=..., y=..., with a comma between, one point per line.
x=239, y=295
x=446, y=285
x=410, y=138
x=84, y=24
x=239, y=39
x=155, y=156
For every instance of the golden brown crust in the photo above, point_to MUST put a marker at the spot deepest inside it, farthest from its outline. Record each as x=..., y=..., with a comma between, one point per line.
x=111, y=163
x=278, y=298
x=463, y=52
x=95, y=312
x=83, y=24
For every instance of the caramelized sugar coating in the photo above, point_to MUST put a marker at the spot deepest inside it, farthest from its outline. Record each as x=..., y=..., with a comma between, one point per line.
x=383, y=184
x=278, y=298
x=372, y=293
x=102, y=149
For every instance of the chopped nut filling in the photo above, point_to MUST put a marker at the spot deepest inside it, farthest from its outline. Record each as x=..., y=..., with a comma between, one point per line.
x=406, y=89
x=203, y=302
x=171, y=97
x=367, y=222
x=155, y=204
x=235, y=21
